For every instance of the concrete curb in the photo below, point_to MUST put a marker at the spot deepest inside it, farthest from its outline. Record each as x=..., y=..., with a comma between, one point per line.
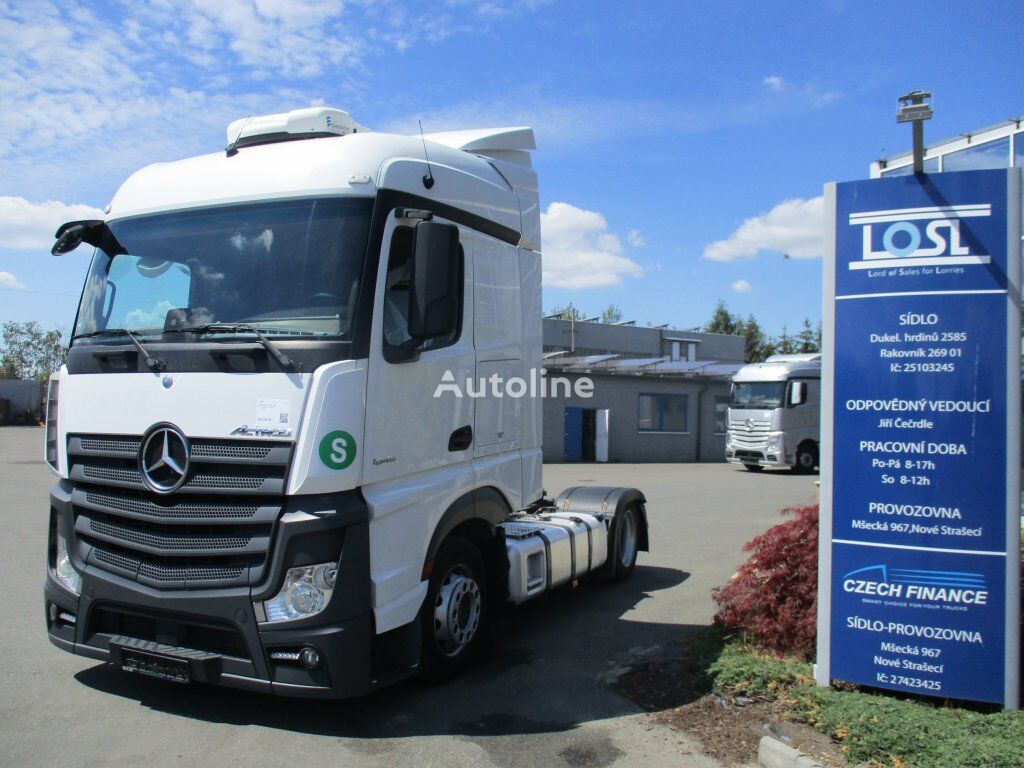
x=772, y=753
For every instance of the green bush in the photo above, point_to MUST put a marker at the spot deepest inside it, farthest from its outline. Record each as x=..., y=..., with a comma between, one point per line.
x=873, y=728
x=743, y=670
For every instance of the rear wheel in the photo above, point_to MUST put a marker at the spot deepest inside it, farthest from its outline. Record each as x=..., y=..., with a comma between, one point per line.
x=624, y=543
x=753, y=467
x=453, y=614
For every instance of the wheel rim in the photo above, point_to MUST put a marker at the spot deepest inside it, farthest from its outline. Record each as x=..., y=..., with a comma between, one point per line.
x=627, y=538
x=806, y=459
x=457, y=611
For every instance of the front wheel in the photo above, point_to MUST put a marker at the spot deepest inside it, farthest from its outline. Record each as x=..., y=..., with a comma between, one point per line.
x=806, y=458
x=454, y=612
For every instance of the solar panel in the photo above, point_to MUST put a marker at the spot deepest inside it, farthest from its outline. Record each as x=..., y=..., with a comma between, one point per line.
x=639, y=362
x=682, y=366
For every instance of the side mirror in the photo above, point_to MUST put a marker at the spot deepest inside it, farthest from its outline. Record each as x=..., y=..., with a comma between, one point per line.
x=434, y=289
x=797, y=393
x=92, y=231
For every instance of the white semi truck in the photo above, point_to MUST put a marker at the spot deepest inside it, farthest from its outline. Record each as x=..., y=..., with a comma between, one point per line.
x=774, y=414
x=260, y=484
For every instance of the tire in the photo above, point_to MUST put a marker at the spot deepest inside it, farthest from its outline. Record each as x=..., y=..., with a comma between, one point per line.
x=806, y=458
x=624, y=544
x=753, y=467
x=454, y=612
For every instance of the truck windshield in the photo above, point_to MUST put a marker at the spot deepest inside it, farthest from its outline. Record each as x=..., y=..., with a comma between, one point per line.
x=289, y=268
x=758, y=394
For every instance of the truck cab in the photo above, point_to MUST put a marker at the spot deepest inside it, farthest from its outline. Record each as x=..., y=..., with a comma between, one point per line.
x=261, y=481
x=774, y=413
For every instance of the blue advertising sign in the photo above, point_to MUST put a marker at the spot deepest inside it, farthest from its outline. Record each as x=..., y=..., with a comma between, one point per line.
x=919, y=553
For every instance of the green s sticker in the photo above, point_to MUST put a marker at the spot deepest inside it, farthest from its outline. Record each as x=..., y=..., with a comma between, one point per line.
x=337, y=449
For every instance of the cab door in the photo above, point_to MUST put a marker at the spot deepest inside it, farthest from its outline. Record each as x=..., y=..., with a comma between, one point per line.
x=414, y=423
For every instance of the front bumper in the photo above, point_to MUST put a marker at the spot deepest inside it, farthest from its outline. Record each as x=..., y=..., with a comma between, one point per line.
x=758, y=455
x=220, y=623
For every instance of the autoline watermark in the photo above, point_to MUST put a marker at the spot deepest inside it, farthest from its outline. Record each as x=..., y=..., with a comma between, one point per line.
x=496, y=385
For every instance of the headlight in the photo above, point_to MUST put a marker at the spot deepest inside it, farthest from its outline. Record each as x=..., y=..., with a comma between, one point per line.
x=306, y=592
x=63, y=569
x=728, y=439
x=774, y=442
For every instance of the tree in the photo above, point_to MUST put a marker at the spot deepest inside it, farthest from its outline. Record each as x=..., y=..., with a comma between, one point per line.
x=785, y=344
x=29, y=352
x=755, y=348
x=723, y=322
x=568, y=312
x=612, y=315
x=807, y=339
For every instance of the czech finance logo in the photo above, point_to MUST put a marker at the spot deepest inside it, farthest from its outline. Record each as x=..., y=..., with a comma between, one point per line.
x=917, y=236
x=952, y=587
x=337, y=449
x=164, y=458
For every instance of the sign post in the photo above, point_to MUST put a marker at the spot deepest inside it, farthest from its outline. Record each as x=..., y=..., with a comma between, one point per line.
x=919, y=550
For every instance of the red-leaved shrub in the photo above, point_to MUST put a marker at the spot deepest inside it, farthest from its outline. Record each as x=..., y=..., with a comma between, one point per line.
x=773, y=599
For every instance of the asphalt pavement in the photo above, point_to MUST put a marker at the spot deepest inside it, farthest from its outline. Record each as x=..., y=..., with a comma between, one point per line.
x=538, y=698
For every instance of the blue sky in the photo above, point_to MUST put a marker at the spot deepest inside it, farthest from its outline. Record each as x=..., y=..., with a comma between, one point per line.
x=682, y=146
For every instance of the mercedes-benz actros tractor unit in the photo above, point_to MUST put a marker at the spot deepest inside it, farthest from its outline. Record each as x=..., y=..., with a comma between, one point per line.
x=262, y=483
x=774, y=413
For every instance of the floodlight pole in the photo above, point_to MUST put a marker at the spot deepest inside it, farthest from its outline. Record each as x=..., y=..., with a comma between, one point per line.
x=914, y=110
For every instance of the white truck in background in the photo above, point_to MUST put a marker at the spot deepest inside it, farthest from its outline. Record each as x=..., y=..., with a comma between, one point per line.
x=258, y=485
x=774, y=414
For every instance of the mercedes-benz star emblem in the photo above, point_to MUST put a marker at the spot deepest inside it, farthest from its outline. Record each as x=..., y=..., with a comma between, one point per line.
x=163, y=458
x=749, y=423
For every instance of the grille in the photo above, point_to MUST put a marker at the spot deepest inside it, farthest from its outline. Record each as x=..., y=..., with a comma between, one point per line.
x=99, y=445
x=158, y=541
x=142, y=507
x=753, y=436
x=230, y=451
x=214, y=531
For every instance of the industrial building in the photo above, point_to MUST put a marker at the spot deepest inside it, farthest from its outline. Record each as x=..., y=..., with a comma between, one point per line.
x=997, y=146
x=658, y=394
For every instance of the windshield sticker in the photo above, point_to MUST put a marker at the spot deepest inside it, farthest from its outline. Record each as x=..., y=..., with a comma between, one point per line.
x=273, y=413
x=337, y=449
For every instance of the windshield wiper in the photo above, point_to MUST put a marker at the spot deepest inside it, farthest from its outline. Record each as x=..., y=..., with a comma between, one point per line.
x=153, y=362
x=282, y=359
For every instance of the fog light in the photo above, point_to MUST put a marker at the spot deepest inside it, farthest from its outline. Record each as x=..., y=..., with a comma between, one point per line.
x=306, y=592
x=53, y=612
x=309, y=658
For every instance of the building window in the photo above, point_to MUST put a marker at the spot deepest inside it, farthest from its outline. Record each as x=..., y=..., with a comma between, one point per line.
x=931, y=165
x=721, y=414
x=991, y=154
x=662, y=413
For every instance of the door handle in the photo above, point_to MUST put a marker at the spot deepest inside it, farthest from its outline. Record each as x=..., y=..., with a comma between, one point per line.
x=461, y=439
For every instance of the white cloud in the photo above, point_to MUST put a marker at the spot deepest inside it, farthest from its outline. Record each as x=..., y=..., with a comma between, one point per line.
x=7, y=280
x=31, y=225
x=741, y=286
x=774, y=83
x=793, y=227
x=636, y=238
x=580, y=252
x=90, y=94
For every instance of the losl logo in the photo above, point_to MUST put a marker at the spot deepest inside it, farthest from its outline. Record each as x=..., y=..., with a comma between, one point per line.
x=921, y=236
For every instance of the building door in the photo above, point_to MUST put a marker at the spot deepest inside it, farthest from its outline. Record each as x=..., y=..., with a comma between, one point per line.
x=573, y=450
x=589, y=434
x=601, y=439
